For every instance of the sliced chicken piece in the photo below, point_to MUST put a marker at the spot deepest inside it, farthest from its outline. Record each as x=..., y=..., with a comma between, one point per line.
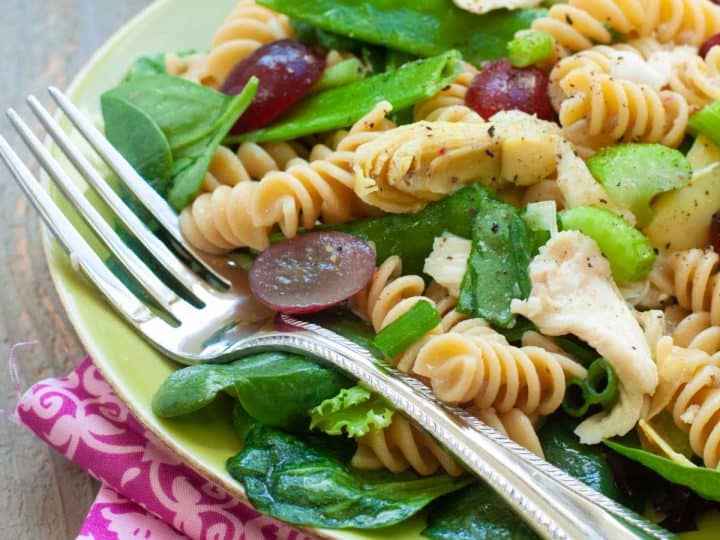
x=573, y=292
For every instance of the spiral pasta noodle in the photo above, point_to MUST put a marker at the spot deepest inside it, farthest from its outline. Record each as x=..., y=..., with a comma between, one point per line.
x=690, y=391
x=697, y=332
x=601, y=110
x=450, y=101
x=244, y=215
x=402, y=446
x=697, y=79
x=246, y=29
x=694, y=281
x=579, y=24
x=251, y=161
x=489, y=373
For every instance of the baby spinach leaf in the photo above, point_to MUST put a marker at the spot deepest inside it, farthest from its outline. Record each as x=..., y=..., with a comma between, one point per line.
x=702, y=480
x=586, y=463
x=153, y=64
x=497, y=268
x=304, y=481
x=420, y=28
x=343, y=106
x=140, y=140
x=278, y=389
x=193, y=120
x=186, y=112
x=191, y=163
x=353, y=412
x=411, y=236
x=478, y=513
x=475, y=513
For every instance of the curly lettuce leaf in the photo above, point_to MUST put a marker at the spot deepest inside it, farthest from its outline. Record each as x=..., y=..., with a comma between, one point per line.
x=354, y=411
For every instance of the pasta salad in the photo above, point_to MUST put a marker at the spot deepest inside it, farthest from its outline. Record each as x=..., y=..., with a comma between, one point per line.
x=515, y=202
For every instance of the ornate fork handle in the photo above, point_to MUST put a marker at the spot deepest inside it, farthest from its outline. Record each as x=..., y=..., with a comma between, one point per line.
x=556, y=505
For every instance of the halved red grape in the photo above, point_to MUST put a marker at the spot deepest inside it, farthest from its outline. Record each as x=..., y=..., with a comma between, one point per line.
x=502, y=87
x=709, y=44
x=715, y=231
x=287, y=71
x=311, y=272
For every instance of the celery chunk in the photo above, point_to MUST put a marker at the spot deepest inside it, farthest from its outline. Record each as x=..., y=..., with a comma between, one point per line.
x=633, y=174
x=629, y=252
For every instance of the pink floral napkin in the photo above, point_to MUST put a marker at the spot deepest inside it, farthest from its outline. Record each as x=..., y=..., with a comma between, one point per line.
x=147, y=493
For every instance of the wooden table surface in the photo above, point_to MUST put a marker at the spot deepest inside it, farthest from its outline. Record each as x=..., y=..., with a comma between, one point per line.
x=42, y=496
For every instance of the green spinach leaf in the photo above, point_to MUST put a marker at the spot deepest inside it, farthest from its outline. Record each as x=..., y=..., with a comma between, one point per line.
x=277, y=389
x=153, y=64
x=497, y=268
x=475, y=513
x=193, y=119
x=140, y=140
x=304, y=481
x=478, y=513
x=186, y=112
x=420, y=28
x=343, y=106
x=411, y=236
x=702, y=480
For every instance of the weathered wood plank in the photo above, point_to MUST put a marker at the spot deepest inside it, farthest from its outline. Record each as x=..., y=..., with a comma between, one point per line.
x=42, y=495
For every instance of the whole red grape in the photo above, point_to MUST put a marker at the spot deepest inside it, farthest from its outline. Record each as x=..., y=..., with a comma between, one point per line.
x=287, y=70
x=502, y=87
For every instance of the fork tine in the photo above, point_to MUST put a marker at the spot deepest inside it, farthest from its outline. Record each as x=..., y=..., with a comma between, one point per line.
x=81, y=254
x=152, y=243
x=160, y=292
x=152, y=201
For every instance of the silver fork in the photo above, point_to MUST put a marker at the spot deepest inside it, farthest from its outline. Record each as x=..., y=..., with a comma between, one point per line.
x=225, y=326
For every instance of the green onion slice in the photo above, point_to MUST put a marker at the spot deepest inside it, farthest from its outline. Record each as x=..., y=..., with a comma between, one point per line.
x=399, y=335
x=600, y=385
x=575, y=402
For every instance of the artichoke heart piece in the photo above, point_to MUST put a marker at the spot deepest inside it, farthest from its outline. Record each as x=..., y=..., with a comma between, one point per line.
x=409, y=166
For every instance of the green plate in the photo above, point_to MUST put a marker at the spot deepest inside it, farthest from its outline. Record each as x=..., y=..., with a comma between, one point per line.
x=134, y=369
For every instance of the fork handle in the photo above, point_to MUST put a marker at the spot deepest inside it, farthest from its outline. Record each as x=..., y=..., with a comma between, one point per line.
x=556, y=505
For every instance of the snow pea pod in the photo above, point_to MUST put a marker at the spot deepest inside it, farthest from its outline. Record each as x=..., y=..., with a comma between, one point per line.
x=422, y=28
x=341, y=107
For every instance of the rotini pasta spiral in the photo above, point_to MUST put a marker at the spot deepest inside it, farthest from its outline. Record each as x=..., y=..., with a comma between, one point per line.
x=697, y=332
x=450, y=101
x=695, y=279
x=690, y=390
x=602, y=110
x=579, y=24
x=463, y=369
x=698, y=79
x=246, y=29
x=679, y=69
x=244, y=215
x=251, y=161
x=402, y=446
